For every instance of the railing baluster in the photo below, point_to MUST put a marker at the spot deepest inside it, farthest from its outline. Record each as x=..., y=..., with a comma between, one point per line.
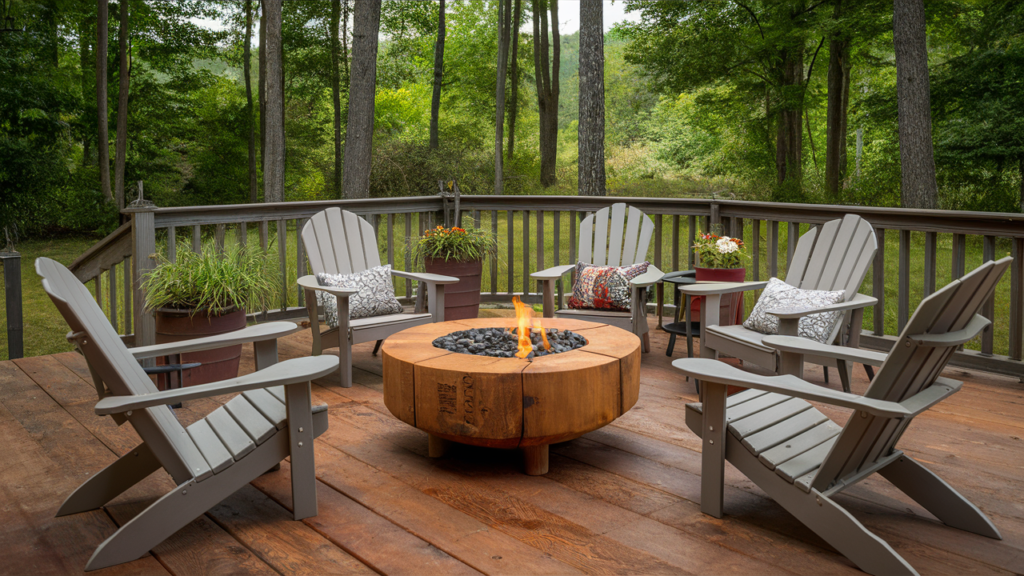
x=126, y=279
x=112, y=295
x=476, y=219
x=556, y=220
x=172, y=245
x=408, y=252
x=218, y=238
x=300, y=260
x=988, y=310
x=510, y=244
x=391, y=240
x=1017, y=300
x=903, y=309
x=526, y=252
x=691, y=234
x=773, y=249
x=197, y=239
x=959, y=256
x=282, y=247
x=675, y=242
x=756, y=248
x=878, y=284
x=243, y=234
x=930, y=244
x=657, y=243
x=540, y=246
x=494, y=255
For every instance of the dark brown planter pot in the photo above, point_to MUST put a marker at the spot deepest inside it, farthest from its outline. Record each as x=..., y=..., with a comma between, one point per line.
x=722, y=275
x=174, y=325
x=462, y=300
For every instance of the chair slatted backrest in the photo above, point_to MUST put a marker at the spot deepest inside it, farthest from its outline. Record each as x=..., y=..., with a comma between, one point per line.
x=910, y=369
x=836, y=257
x=340, y=242
x=608, y=239
x=119, y=370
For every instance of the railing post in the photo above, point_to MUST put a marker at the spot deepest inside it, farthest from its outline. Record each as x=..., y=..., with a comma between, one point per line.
x=143, y=253
x=716, y=215
x=12, y=287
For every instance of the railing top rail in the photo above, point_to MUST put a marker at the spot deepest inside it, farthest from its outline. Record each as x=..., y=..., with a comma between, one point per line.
x=271, y=211
x=110, y=250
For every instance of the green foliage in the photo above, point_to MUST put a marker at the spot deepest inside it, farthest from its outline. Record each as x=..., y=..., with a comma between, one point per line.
x=242, y=277
x=455, y=244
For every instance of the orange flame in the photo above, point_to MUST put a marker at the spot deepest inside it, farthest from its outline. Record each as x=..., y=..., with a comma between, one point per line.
x=525, y=321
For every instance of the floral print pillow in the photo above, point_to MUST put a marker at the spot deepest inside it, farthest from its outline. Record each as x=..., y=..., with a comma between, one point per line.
x=604, y=287
x=376, y=296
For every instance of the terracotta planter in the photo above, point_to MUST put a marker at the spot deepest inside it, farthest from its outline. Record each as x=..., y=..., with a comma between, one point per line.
x=722, y=275
x=462, y=300
x=174, y=325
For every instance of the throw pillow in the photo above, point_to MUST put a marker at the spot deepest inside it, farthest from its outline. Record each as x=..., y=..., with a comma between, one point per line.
x=376, y=296
x=779, y=295
x=604, y=287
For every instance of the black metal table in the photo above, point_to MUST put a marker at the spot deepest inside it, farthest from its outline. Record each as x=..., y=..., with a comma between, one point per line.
x=683, y=324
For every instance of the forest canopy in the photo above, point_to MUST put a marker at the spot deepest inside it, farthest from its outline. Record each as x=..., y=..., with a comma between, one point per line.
x=787, y=100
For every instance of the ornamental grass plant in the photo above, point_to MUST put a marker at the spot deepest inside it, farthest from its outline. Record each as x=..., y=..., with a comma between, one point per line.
x=714, y=250
x=455, y=244
x=242, y=277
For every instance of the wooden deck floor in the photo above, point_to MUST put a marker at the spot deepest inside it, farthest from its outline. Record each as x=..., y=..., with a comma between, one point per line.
x=620, y=500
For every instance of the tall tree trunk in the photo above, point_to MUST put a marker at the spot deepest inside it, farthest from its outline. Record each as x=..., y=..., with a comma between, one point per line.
x=1020, y=172
x=262, y=91
x=789, y=137
x=250, y=120
x=836, y=113
x=546, y=77
x=336, y=91
x=513, y=99
x=504, y=24
x=362, y=88
x=273, y=167
x=344, y=39
x=85, y=61
x=102, y=139
x=124, y=78
x=51, y=14
x=918, y=187
x=591, y=105
x=435, y=98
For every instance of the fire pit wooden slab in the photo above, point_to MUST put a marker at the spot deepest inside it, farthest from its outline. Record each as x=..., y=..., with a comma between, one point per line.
x=509, y=402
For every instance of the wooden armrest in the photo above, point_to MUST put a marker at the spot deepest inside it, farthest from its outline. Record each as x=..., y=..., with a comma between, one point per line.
x=955, y=338
x=652, y=276
x=310, y=283
x=424, y=277
x=722, y=373
x=703, y=289
x=858, y=301
x=284, y=373
x=553, y=273
x=799, y=345
x=254, y=333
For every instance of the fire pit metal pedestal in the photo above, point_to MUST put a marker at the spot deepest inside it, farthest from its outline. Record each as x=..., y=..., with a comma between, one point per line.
x=509, y=402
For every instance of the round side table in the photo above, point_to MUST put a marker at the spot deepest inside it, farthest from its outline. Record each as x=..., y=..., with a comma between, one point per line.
x=683, y=324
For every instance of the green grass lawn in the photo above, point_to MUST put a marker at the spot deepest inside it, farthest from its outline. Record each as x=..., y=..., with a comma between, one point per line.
x=45, y=330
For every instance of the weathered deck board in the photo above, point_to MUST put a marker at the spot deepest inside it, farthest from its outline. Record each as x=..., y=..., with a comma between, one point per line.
x=623, y=499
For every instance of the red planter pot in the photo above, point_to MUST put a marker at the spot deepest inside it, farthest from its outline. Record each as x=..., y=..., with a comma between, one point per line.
x=723, y=275
x=174, y=325
x=462, y=300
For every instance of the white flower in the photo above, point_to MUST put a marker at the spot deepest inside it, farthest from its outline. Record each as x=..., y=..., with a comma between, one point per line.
x=726, y=245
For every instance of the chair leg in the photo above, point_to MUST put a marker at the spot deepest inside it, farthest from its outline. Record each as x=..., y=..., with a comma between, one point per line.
x=825, y=370
x=937, y=497
x=844, y=375
x=376, y=347
x=646, y=340
x=345, y=365
x=671, y=345
x=183, y=504
x=870, y=371
x=107, y=484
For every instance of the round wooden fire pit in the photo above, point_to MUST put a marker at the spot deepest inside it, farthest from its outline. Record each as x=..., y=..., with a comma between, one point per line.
x=509, y=402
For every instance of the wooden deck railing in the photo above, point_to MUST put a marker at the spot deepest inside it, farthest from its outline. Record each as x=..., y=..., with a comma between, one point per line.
x=919, y=251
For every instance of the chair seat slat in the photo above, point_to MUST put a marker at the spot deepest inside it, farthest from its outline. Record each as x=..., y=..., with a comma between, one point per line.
x=767, y=418
x=271, y=408
x=230, y=433
x=255, y=424
x=209, y=444
x=783, y=431
x=799, y=444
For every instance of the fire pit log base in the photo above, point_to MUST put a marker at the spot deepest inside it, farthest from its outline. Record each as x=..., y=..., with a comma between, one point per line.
x=510, y=402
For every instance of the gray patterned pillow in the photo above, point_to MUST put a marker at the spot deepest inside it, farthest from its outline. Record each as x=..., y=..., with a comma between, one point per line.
x=376, y=296
x=778, y=295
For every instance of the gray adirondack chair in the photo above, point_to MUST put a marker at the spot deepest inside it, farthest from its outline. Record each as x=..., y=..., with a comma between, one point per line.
x=836, y=257
x=340, y=242
x=272, y=418
x=606, y=238
x=800, y=458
